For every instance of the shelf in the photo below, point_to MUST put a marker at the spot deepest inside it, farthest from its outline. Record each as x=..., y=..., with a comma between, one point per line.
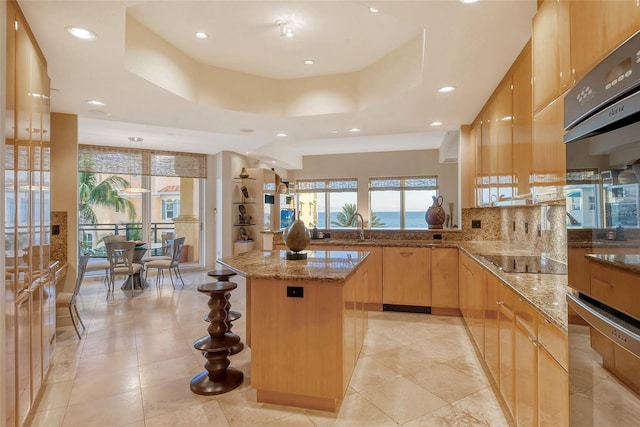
x=244, y=203
x=244, y=225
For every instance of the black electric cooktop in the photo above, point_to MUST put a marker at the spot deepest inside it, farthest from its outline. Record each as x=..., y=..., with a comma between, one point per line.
x=526, y=264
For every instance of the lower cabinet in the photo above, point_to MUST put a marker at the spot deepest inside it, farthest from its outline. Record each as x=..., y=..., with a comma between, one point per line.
x=444, y=281
x=524, y=351
x=406, y=276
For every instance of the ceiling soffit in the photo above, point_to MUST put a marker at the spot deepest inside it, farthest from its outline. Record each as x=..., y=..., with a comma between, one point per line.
x=152, y=58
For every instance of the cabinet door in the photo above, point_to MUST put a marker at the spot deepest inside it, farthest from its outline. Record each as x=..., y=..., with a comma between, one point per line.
x=477, y=302
x=444, y=277
x=373, y=285
x=489, y=154
x=464, y=280
x=522, y=120
x=553, y=391
x=550, y=49
x=598, y=27
x=23, y=356
x=468, y=165
x=506, y=326
x=502, y=123
x=491, y=332
x=549, y=157
x=526, y=374
x=406, y=276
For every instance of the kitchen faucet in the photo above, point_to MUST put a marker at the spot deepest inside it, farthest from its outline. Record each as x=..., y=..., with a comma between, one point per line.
x=350, y=221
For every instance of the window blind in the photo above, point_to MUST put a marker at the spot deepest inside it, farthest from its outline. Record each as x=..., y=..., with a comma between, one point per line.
x=404, y=183
x=132, y=161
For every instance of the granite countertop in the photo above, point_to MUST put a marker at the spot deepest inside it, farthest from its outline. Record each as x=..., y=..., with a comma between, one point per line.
x=320, y=265
x=405, y=243
x=626, y=262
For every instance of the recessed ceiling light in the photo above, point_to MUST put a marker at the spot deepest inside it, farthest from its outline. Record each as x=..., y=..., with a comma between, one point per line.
x=281, y=134
x=354, y=130
x=373, y=10
x=96, y=103
x=436, y=123
x=468, y=1
x=135, y=139
x=201, y=35
x=334, y=131
x=246, y=130
x=445, y=89
x=309, y=62
x=81, y=33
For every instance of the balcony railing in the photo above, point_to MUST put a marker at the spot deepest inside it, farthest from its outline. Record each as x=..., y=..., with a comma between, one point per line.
x=91, y=235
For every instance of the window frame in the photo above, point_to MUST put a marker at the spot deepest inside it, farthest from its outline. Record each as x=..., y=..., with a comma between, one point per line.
x=327, y=186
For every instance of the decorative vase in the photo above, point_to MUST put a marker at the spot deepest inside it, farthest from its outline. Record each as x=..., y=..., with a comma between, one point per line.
x=296, y=237
x=435, y=214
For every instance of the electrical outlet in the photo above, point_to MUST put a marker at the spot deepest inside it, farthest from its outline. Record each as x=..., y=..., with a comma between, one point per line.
x=526, y=227
x=295, y=292
x=539, y=230
x=437, y=237
x=55, y=230
x=476, y=223
x=513, y=223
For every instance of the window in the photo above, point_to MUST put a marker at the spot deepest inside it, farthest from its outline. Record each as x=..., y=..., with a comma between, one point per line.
x=327, y=203
x=401, y=203
x=170, y=209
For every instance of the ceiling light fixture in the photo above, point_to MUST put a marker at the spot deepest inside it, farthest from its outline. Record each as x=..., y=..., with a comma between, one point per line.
x=96, y=103
x=373, y=10
x=201, y=35
x=445, y=89
x=354, y=130
x=436, y=124
x=285, y=28
x=468, y=1
x=309, y=62
x=81, y=33
x=130, y=189
x=281, y=134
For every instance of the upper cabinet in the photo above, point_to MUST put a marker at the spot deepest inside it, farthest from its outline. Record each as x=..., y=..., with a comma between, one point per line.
x=598, y=27
x=550, y=48
x=522, y=121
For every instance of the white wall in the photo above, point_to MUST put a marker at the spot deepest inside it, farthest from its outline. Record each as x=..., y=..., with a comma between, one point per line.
x=386, y=164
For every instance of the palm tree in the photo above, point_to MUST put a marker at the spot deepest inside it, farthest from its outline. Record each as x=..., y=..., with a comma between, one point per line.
x=348, y=210
x=104, y=193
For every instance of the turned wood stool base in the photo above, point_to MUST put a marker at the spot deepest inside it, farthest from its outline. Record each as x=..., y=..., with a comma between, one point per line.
x=223, y=275
x=218, y=377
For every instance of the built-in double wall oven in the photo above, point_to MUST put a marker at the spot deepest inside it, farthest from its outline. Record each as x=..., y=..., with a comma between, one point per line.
x=602, y=119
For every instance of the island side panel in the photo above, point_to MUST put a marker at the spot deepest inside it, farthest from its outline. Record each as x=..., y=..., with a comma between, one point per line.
x=297, y=343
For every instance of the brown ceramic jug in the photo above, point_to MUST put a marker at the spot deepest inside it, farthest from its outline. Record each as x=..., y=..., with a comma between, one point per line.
x=435, y=214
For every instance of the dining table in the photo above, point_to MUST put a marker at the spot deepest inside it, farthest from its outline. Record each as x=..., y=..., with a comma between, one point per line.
x=139, y=283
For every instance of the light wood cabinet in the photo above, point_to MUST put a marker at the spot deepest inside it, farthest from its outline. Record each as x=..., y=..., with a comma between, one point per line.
x=549, y=156
x=502, y=133
x=553, y=402
x=406, y=276
x=444, y=281
x=506, y=326
x=615, y=287
x=491, y=329
x=526, y=373
x=598, y=27
x=522, y=121
x=551, y=64
x=473, y=296
x=467, y=159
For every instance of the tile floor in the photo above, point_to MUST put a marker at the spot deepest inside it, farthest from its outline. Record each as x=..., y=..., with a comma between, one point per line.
x=133, y=365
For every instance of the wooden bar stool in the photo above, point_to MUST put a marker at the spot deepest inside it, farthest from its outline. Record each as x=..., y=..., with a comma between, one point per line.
x=223, y=275
x=218, y=377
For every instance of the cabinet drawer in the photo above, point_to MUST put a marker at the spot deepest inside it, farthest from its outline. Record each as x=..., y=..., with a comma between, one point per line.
x=507, y=296
x=554, y=340
x=616, y=288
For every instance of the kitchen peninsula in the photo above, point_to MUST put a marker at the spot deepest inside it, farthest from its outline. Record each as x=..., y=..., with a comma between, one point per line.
x=305, y=323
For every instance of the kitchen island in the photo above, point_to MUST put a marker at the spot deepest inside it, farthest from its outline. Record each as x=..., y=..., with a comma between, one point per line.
x=306, y=323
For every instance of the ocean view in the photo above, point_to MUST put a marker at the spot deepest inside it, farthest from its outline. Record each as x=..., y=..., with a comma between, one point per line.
x=414, y=219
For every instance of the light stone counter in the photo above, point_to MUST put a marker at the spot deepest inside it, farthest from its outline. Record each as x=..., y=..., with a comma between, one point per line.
x=626, y=262
x=320, y=265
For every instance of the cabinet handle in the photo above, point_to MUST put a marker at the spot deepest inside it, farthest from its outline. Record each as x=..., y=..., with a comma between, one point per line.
x=406, y=253
x=534, y=342
x=500, y=302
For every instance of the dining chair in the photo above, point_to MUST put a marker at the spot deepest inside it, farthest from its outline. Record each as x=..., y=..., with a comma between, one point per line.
x=167, y=248
x=100, y=264
x=68, y=299
x=164, y=264
x=120, y=256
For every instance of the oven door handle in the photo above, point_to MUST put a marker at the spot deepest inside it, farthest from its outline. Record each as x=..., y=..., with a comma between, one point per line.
x=615, y=330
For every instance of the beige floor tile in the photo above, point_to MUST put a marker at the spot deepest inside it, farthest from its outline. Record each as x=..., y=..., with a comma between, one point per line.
x=375, y=342
x=355, y=411
x=446, y=382
x=163, y=350
x=484, y=406
x=403, y=360
x=449, y=416
x=50, y=418
x=370, y=373
x=55, y=395
x=104, y=384
x=203, y=414
x=402, y=400
x=169, y=370
x=242, y=409
x=100, y=363
x=297, y=420
x=169, y=397
x=121, y=409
